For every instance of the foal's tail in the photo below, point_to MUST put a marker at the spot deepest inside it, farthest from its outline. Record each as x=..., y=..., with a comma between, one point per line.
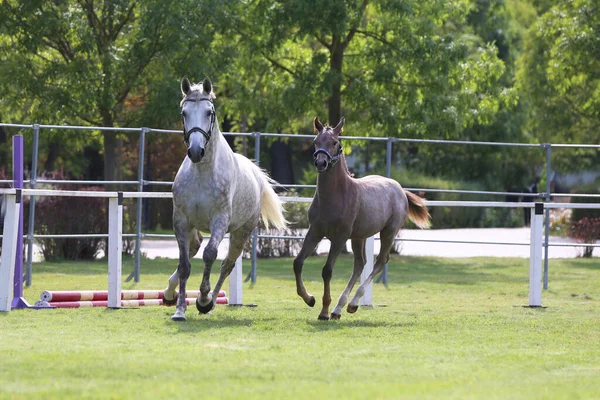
x=272, y=208
x=417, y=211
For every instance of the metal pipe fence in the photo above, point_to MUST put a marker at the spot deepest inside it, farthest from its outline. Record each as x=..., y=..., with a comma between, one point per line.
x=141, y=183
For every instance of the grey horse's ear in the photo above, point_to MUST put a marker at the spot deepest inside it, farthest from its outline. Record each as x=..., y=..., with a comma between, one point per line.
x=186, y=86
x=339, y=128
x=317, y=124
x=207, y=85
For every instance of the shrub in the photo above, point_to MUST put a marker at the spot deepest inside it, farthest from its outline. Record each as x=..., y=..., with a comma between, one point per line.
x=586, y=230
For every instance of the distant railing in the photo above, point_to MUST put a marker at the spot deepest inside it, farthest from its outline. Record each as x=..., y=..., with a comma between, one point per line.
x=141, y=182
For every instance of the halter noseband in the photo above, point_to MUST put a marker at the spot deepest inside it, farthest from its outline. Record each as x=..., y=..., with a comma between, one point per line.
x=332, y=159
x=207, y=135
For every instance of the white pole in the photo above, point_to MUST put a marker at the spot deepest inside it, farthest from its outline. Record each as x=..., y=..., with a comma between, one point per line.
x=367, y=299
x=535, y=256
x=9, y=250
x=115, y=250
x=235, y=284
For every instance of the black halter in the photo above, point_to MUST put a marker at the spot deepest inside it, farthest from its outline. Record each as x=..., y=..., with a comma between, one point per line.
x=207, y=135
x=332, y=159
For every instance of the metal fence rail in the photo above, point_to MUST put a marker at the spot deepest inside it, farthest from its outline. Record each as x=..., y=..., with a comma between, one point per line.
x=142, y=183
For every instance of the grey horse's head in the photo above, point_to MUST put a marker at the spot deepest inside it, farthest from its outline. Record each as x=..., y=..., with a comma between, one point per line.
x=328, y=147
x=199, y=118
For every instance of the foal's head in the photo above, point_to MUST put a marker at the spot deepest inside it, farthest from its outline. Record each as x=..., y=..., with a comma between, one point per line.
x=328, y=147
x=198, y=114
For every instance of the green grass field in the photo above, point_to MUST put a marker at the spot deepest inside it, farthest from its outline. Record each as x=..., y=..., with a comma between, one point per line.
x=444, y=328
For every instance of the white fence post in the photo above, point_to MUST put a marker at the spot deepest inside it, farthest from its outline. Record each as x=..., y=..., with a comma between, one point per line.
x=367, y=299
x=535, y=256
x=115, y=250
x=9, y=250
x=235, y=284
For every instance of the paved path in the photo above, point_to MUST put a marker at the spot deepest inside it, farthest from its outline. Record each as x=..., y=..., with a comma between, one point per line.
x=168, y=248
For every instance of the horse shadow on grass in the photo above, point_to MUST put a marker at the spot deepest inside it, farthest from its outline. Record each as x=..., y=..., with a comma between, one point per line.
x=326, y=326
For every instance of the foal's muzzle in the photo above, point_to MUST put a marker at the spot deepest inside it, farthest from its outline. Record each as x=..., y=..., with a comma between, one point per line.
x=196, y=154
x=321, y=164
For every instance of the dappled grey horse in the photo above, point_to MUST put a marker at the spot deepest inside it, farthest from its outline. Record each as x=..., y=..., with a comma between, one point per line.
x=346, y=208
x=216, y=191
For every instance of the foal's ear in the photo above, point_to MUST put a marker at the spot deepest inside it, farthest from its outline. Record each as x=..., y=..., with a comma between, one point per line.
x=207, y=85
x=185, y=86
x=339, y=128
x=317, y=124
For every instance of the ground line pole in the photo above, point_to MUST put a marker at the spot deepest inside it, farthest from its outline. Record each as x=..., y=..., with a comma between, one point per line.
x=32, y=183
x=252, y=274
x=383, y=278
x=548, y=147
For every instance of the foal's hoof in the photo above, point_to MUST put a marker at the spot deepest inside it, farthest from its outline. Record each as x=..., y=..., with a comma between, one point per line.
x=178, y=316
x=204, y=309
x=323, y=318
x=311, y=302
x=335, y=316
x=168, y=302
x=352, y=309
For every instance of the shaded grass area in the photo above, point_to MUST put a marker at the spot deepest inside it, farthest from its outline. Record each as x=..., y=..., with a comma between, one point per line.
x=444, y=328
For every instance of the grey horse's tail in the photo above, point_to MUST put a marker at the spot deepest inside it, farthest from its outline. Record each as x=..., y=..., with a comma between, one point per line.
x=272, y=208
x=417, y=211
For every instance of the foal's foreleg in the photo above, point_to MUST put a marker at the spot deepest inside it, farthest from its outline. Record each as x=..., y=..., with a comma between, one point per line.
x=358, y=248
x=387, y=240
x=218, y=228
x=334, y=252
x=311, y=240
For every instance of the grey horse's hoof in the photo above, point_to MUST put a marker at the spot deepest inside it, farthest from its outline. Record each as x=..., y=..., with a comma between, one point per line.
x=352, y=309
x=335, y=316
x=167, y=302
x=311, y=302
x=179, y=317
x=323, y=318
x=204, y=309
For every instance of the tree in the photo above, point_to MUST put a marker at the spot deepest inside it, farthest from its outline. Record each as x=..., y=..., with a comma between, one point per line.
x=79, y=61
x=559, y=76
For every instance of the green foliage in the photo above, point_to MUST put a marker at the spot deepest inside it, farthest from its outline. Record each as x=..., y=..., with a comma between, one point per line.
x=559, y=78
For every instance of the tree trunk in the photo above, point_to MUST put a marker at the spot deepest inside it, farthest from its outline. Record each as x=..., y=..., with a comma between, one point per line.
x=335, y=66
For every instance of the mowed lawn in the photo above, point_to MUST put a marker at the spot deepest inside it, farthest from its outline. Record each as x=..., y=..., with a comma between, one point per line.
x=444, y=328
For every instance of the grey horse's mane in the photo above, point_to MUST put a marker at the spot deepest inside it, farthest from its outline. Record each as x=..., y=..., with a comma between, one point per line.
x=196, y=93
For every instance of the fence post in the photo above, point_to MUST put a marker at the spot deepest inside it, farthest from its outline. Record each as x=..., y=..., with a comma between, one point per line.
x=367, y=299
x=9, y=250
x=235, y=284
x=138, y=217
x=18, y=300
x=535, y=256
x=30, y=228
x=252, y=274
x=547, y=225
x=115, y=250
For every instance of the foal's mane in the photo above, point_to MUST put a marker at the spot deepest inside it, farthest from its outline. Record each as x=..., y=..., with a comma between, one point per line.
x=197, y=93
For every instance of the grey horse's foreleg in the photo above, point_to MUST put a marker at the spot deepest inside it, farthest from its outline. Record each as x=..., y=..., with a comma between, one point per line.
x=358, y=248
x=335, y=250
x=218, y=228
x=311, y=240
x=387, y=241
x=236, y=246
x=183, y=269
x=170, y=294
